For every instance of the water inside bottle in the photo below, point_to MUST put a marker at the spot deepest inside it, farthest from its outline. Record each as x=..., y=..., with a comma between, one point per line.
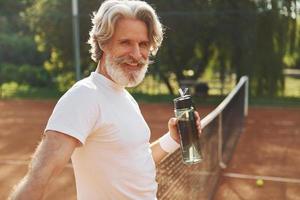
x=189, y=142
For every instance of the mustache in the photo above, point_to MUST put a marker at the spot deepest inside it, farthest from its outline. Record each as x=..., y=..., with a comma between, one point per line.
x=130, y=60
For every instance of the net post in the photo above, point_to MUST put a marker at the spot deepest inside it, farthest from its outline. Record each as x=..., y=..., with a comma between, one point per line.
x=246, y=96
x=76, y=39
x=220, y=141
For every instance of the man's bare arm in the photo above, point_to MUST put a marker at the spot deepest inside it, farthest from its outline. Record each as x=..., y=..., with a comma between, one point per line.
x=157, y=152
x=50, y=157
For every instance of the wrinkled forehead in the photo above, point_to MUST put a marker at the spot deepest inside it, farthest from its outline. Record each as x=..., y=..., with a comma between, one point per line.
x=131, y=29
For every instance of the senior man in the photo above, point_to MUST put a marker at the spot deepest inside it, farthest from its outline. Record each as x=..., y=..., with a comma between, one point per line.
x=98, y=124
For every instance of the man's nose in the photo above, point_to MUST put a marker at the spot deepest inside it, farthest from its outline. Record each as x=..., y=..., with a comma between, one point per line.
x=136, y=52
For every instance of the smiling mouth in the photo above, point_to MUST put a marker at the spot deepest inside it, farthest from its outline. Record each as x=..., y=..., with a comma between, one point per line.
x=134, y=66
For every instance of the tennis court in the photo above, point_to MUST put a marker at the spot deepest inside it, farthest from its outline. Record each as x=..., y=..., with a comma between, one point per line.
x=268, y=146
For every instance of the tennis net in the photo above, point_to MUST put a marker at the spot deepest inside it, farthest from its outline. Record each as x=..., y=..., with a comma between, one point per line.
x=221, y=130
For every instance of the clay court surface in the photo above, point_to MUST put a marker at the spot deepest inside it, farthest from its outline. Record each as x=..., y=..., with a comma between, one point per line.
x=269, y=147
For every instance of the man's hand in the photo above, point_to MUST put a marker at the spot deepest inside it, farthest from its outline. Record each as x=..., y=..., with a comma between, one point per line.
x=172, y=125
x=157, y=152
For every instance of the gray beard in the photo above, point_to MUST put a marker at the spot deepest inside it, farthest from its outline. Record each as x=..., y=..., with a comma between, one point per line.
x=122, y=77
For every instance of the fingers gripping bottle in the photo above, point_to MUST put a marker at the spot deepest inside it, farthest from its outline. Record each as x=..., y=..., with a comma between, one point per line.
x=189, y=138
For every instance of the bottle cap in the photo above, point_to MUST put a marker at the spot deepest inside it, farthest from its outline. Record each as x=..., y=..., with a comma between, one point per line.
x=183, y=102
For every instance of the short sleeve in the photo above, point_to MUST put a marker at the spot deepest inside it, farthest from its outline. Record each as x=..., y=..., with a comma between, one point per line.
x=76, y=113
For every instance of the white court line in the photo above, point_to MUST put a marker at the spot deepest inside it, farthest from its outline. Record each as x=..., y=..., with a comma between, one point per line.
x=23, y=162
x=266, y=178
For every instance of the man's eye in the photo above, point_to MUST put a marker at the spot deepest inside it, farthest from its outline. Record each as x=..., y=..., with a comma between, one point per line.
x=144, y=45
x=125, y=42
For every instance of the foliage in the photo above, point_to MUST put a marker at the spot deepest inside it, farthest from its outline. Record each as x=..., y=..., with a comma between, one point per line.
x=18, y=48
x=17, y=45
x=24, y=74
x=292, y=87
x=20, y=62
x=65, y=81
x=255, y=38
x=12, y=89
x=52, y=23
x=242, y=37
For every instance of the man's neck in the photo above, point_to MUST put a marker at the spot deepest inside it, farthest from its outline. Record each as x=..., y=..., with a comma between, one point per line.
x=101, y=69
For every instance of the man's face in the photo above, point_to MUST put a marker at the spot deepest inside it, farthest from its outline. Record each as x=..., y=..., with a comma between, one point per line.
x=127, y=52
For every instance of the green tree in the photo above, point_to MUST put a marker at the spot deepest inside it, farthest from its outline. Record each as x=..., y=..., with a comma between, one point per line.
x=16, y=43
x=51, y=22
x=186, y=46
x=242, y=37
x=17, y=46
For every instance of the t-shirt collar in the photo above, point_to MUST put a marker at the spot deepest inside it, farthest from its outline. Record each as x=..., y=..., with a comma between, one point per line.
x=105, y=81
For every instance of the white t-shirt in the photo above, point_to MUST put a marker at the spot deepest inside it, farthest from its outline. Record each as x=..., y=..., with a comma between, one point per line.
x=115, y=160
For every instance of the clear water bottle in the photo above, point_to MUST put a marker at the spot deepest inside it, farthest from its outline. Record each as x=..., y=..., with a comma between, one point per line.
x=189, y=138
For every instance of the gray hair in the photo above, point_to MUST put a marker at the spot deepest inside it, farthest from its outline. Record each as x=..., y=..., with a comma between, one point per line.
x=110, y=11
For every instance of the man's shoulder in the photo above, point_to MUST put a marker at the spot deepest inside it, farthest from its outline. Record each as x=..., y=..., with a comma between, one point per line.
x=83, y=89
x=85, y=84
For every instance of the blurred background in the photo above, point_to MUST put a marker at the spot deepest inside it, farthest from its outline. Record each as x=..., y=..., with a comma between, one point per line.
x=208, y=46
